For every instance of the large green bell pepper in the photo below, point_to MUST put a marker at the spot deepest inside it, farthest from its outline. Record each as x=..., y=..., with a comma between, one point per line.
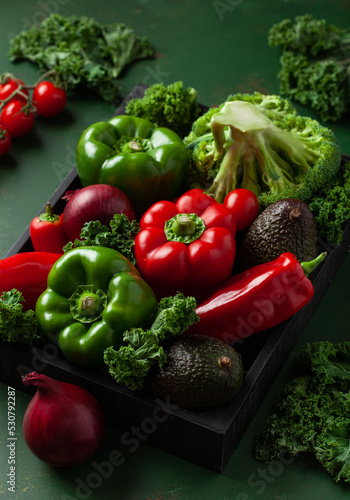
x=145, y=162
x=93, y=295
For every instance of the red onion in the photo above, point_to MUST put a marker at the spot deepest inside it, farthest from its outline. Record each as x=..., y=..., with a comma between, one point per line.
x=91, y=203
x=63, y=424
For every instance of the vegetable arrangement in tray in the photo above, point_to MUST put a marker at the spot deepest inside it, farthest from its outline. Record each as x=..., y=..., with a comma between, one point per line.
x=145, y=274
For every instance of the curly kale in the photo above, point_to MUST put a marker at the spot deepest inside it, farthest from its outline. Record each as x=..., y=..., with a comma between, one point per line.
x=143, y=348
x=331, y=206
x=82, y=51
x=16, y=325
x=259, y=142
x=171, y=106
x=120, y=236
x=312, y=412
x=315, y=64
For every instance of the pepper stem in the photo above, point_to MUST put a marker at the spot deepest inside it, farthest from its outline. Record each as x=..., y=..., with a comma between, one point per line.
x=184, y=228
x=135, y=146
x=48, y=216
x=183, y=225
x=87, y=303
x=308, y=267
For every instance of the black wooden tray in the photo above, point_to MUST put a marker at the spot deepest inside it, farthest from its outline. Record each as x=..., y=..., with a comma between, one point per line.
x=209, y=438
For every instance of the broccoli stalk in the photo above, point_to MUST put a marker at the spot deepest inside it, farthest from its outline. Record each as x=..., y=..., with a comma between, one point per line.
x=258, y=151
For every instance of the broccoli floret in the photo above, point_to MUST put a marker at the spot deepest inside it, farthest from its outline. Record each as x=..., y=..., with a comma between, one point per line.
x=260, y=143
x=315, y=64
x=273, y=106
x=171, y=106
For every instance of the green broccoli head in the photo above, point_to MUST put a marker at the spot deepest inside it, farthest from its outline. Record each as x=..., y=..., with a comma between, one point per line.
x=260, y=143
x=171, y=106
x=273, y=106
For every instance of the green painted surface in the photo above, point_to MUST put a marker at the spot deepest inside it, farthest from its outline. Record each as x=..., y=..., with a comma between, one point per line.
x=218, y=47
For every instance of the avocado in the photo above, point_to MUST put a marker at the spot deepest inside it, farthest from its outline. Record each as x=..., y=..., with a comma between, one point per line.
x=201, y=373
x=288, y=225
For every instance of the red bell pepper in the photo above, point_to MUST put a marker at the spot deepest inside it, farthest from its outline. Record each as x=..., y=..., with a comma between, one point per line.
x=256, y=299
x=187, y=246
x=27, y=272
x=47, y=232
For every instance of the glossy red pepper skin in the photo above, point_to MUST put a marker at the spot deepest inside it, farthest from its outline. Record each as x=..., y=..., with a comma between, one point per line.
x=27, y=272
x=47, y=232
x=193, y=268
x=255, y=300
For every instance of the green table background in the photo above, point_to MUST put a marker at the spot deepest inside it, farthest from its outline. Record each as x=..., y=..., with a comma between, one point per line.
x=218, y=47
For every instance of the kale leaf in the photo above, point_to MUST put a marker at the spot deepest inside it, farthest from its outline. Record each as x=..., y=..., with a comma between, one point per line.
x=120, y=236
x=331, y=206
x=315, y=64
x=16, y=325
x=312, y=412
x=82, y=51
x=143, y=348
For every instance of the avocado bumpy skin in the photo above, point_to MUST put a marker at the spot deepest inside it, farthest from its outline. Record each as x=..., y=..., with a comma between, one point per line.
x=201, y=373
x=287, y=225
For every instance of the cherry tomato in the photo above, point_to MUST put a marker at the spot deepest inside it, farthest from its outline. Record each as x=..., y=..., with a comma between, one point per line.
x=16, y=118
x=5, y=141
x=245, y=206
x=9, y=86
x=48, y=100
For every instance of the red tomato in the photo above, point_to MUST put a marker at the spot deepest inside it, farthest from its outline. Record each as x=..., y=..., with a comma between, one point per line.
x=244, y=204
x=5, y=142
x=48, y=100
x=9, y=86
x=16, y=118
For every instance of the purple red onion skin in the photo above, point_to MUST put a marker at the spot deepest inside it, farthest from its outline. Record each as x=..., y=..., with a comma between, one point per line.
x=63, y=424
x=96, y=202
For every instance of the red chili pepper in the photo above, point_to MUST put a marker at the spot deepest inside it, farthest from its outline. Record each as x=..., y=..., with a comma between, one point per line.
x=256, y=299
x=27, y=272
x=47, y=232
x=187, y=246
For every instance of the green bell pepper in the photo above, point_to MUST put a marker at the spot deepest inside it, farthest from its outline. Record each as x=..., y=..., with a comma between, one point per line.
x=93, y=295
x=145, y=162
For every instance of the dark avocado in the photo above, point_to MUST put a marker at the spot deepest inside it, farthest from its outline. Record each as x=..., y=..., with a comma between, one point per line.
x=201, y=373
x=288, y=225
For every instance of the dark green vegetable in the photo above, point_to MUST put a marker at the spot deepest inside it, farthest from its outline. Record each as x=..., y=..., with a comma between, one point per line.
x=120, y=236
x=16, y=325
x=171, y=106
x=82, y=51
x=260, y=142
x=142, y=348
x=312, y=413
x=331, y=206
x=315, y=64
